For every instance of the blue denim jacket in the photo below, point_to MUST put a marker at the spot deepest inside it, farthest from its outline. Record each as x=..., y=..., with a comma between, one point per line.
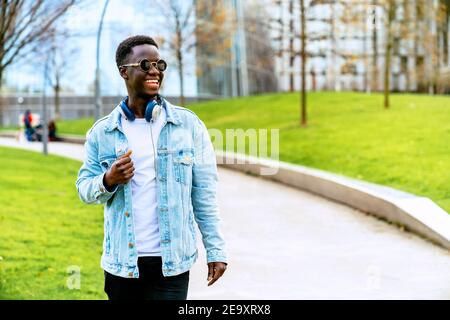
x=186, y=180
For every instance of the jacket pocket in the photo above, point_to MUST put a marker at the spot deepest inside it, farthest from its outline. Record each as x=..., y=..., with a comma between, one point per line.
x=182, y=162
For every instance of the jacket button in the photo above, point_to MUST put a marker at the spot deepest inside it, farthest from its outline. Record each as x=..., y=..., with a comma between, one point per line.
x=127, y=214
x=130, y=245
x=130, y=274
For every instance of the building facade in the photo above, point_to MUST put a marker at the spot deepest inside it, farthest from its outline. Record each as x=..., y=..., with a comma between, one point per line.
x=247, y=65
x=347, y=43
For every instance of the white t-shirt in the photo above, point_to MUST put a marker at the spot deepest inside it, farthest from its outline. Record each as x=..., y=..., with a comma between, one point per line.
x=143, y=183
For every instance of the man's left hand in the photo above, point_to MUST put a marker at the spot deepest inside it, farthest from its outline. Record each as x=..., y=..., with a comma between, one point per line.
x=215, y=271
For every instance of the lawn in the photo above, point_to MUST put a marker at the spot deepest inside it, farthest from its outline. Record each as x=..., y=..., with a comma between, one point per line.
x=405, y=147
x=45, y=230
x=9, y=128
x=74, y=127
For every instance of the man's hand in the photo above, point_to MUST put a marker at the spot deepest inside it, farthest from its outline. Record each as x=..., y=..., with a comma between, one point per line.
x=215, y=271
x=120, y=172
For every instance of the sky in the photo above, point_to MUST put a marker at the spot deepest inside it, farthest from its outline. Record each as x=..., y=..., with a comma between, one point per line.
x=122, y=19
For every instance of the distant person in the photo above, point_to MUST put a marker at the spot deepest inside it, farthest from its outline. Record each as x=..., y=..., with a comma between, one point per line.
x=153, y=166
x=52, y=131
x=38, y=133
x=27, y=121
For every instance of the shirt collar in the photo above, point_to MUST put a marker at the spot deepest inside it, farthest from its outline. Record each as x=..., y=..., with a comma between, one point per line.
x=117, y=114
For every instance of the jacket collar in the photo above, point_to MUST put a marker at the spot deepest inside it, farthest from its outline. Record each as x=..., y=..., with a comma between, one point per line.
x=114, y=119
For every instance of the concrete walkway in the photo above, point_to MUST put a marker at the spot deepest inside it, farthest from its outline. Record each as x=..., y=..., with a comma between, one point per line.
x=288, y=244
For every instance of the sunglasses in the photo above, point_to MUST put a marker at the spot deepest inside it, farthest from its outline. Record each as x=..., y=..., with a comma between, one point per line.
x=145, y=65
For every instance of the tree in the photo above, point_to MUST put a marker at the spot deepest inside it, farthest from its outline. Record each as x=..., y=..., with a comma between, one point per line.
x=374, y=71
x=303, y=120
x=60, y=55
x=214, y=29
x=179, y=21
x=259, y=51
x=184, y=32
x=25, y=25
x=390, y=7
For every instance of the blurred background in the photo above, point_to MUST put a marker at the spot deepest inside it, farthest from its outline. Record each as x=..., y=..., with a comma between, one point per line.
x=223, y=49
x=356, y=87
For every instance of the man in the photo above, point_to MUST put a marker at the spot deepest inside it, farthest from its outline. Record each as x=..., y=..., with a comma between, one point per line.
x=153, y=166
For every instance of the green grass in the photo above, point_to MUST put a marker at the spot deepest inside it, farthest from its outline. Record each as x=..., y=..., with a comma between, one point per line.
x=9, y=128
x=74, y=127
x=405, y=147
x=45, y=229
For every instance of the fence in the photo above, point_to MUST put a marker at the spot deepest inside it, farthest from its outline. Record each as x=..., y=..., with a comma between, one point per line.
x=71, y=107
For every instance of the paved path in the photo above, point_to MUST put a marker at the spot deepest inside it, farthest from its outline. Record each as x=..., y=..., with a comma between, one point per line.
x=289, y=244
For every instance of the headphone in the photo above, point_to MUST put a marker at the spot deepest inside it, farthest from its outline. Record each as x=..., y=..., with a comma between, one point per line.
x=152, y=110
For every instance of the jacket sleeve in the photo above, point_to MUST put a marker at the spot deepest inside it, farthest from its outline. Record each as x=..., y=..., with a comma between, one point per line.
x=90, y=176
x=204, y=195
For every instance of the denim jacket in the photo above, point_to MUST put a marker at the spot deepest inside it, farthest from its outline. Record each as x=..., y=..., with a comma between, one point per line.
x=186, y=181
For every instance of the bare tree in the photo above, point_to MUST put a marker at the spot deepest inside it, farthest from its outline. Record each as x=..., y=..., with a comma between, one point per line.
x=25, y=25
x=215, y=26
x=60, y=54
x=374, y=73
x=259, y=52
x=390, y=7
x=303, y=119
x=440, y=36
x=184, y=32
x=292, y=52
x=181, y=27
x=445, y=5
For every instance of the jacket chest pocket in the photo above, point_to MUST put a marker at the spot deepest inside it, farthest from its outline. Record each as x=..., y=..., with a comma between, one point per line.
x=183, y=161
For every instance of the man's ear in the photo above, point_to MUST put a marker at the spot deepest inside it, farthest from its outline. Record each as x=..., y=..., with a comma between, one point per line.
x=123, y=72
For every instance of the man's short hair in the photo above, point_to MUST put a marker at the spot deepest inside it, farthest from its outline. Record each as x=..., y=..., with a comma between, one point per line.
x=126, y=46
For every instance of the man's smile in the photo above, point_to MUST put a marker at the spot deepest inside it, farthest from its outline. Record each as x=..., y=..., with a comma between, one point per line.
x=152, y=83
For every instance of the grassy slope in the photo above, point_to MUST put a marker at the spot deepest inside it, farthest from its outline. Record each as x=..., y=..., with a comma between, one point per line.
x=45, y=229
x=75, y=127
x=405, y=147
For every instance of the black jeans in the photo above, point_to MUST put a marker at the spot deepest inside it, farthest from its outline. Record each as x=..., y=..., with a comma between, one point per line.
x=151, y=284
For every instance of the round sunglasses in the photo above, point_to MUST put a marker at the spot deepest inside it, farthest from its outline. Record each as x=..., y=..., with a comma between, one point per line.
x=145, y=65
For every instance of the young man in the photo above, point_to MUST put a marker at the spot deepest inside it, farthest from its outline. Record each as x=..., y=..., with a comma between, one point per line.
x=153, y=166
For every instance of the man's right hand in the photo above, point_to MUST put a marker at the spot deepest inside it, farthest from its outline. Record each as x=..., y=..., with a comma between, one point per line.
x=121, y=171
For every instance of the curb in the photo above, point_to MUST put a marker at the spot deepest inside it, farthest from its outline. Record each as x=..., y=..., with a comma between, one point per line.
x=419, y=215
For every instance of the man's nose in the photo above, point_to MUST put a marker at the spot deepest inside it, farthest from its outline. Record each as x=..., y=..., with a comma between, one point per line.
x=153, y=69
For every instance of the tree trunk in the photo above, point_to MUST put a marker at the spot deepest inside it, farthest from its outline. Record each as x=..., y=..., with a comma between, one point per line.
x=291, y=46
x=303, y=121
x=179, y=55
x=418, y=67
x=407, y=21
x=387, y=69
x=445, y=39
x=366, y=86
x=374, y=48
x=1, y=98
x=57, y=89
x=180, y=71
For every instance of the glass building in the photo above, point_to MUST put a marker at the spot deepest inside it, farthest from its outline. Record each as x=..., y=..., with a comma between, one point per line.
x=238, y=59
